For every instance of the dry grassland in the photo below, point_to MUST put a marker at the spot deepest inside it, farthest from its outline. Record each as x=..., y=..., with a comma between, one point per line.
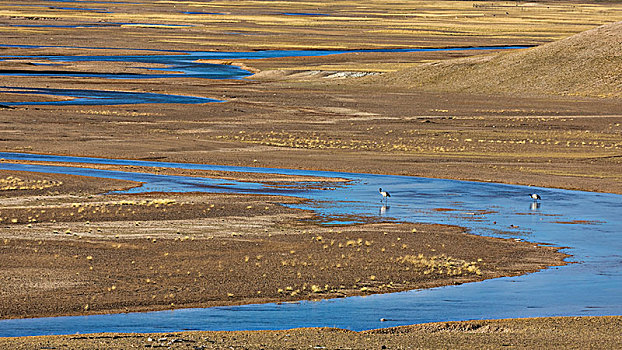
x=586, y=64
x=251, y=25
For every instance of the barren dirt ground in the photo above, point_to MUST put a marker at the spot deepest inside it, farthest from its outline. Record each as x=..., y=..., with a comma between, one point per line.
x=555, y=141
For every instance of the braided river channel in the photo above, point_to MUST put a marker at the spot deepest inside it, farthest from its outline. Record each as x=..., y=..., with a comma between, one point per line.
x=173, y=64
x=588, y=224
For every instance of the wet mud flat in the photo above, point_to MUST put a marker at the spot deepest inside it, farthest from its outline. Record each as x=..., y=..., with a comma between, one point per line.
x=551, y=332
x=68, y=251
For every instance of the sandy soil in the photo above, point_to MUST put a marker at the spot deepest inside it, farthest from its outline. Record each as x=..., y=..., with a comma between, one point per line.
x=535, y=333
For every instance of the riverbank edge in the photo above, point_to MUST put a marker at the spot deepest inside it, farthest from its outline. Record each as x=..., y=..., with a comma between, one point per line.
x=557, y=259
x=537, y=332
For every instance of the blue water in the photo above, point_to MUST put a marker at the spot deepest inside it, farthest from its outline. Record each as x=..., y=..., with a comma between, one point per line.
x=590, y=286
x=311, y=14
x=185, y=63
x=81, y=97
x=176, y=65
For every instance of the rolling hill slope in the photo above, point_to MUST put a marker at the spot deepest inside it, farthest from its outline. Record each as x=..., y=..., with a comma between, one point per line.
x=585, y=64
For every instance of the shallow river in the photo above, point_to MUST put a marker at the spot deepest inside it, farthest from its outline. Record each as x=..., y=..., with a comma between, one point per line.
x=171, y=64
x=588, y=223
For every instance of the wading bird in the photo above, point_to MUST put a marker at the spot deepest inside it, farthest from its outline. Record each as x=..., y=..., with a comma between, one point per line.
x=384, y=194
x=535, y=196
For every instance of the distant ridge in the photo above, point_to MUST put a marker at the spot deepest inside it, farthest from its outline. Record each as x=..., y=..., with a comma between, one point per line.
x=585, y=64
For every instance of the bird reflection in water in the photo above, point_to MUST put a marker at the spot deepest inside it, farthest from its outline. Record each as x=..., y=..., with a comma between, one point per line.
x=534, y=206
x=384, y=209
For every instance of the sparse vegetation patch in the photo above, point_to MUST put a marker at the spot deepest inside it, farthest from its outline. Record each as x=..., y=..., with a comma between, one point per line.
x=11, y=183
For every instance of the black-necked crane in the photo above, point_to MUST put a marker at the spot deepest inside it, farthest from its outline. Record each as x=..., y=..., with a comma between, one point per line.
x=535, y=196
x=384, y=194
